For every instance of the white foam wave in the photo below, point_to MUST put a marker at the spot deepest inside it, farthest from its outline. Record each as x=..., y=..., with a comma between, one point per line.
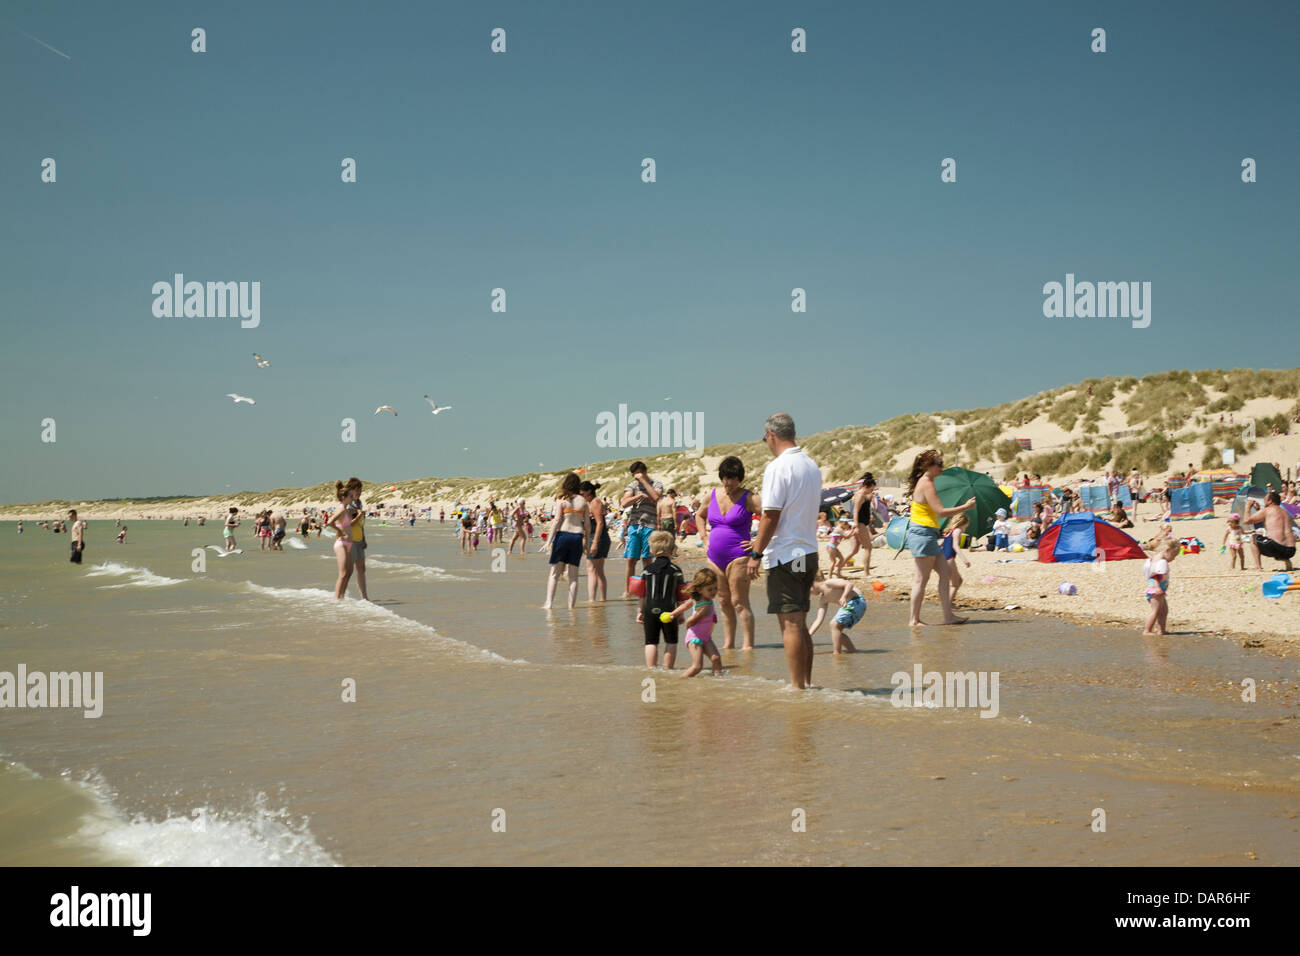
x=258, y=836
x=140, y=577
x=423, y=572
x=417, y=571
x=349, y=611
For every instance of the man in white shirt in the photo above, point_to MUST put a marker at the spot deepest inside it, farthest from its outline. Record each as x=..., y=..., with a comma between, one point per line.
x=786, y=544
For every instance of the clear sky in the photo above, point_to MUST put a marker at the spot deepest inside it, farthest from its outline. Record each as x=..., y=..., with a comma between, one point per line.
x=522, y=170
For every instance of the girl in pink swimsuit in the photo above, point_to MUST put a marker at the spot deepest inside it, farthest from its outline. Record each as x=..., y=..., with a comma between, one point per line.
x=699, y=625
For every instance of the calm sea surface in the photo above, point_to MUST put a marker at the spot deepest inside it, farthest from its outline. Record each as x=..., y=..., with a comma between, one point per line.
x=225, y=740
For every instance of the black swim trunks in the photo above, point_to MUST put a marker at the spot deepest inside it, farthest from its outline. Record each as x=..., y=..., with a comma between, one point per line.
x=76, y=553
x=1272, y=549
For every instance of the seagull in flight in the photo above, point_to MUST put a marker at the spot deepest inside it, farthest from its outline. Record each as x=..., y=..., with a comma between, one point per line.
x=261, y=362
x=386, y=408
x=436, y=407
x=240, y=398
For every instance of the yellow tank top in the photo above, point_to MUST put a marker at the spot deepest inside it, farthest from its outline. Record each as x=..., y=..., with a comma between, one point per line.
x=359, y=527
x=924, y=515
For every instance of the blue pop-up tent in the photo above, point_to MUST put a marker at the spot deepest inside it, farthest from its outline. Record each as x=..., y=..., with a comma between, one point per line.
x=1078, y=536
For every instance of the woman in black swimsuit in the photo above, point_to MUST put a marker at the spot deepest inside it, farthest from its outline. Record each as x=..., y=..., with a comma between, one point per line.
x=864, y=510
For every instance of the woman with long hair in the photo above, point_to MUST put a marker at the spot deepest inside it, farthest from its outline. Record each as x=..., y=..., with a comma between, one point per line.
x=923, y=535
x=599, y=550
x=517, y=518
x=341, y=522
x=867, y=521
x=358, y=530
x=724, y=526
x=568, y=538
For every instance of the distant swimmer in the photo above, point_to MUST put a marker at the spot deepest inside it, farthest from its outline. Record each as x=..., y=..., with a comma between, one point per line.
x=20, y=527
x=232, y=522
x=240, y=398
x=77, y=528
x=438, y=408
x=386, y=408
x=261, y=362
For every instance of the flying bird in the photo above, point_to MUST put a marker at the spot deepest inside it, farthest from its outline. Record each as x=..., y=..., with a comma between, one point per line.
x=386, y=408
x=261, y=362
x=436, y=407
x=240, y=398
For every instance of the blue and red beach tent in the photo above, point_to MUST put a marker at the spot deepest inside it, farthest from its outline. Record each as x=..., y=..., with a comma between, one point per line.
x=1075, y=537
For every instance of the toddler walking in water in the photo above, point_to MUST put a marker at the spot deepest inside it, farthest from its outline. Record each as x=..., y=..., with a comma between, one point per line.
x=1156, y=569
x=699, y=626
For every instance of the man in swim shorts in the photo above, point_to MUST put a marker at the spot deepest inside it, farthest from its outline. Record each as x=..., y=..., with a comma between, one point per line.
x=786, y=544
x=642, y=496
x=77, y=529
x=1277, y=539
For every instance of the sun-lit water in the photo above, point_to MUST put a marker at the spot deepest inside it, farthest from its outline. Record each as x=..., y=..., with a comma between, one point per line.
x=225, y=739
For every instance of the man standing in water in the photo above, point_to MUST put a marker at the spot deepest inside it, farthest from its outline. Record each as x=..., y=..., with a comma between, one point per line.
x=642, y=496
x=786, y=544
x=77, y=528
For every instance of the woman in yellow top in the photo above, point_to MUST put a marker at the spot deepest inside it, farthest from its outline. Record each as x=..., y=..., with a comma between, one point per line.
x=923, y=535
x=358, y=530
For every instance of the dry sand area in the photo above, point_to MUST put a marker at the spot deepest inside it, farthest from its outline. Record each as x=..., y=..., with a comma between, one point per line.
x=1204, y=595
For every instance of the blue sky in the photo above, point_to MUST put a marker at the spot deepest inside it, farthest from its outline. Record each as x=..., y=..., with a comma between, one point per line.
x=521, y=170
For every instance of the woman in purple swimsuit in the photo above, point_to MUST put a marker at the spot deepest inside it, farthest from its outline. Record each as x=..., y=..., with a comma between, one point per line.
x=724, y=527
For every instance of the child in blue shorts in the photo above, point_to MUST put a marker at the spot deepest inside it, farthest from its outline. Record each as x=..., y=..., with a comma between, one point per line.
x=852, y=606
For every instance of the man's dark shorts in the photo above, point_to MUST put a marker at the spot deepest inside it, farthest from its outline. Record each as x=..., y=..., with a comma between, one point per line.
x=788, y=590
x=1271, y=549
x=76, y=553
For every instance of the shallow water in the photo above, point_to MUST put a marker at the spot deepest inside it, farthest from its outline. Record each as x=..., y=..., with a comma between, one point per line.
x=224, y=739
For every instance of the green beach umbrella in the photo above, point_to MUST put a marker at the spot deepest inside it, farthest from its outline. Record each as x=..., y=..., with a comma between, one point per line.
x=956, y=486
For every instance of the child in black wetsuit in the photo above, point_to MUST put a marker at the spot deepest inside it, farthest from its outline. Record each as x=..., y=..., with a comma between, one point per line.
x=662, y=580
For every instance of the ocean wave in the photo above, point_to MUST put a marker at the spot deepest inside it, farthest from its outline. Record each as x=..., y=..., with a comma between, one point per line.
x=140, y=577
x=419, y=571
x=321, y=604
x=258, y=836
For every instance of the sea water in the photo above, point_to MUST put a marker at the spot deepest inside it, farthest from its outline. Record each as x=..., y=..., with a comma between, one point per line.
x=486, y=730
